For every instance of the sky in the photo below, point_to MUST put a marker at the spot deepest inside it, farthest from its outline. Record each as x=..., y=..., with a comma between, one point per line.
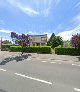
x=37, y=17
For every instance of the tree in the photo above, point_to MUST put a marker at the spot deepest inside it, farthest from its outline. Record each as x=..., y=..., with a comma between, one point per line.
x=23, y=40
x=56, y=41
x=49, y=43
x=7, y=42
x=75, y=40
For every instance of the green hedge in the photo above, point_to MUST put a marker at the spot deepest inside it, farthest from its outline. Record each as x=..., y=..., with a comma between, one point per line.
x=5, y=47
x=67, y=51
x=31, y=49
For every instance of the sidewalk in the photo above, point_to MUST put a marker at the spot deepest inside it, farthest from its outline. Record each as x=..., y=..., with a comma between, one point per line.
x=57, y=57
x=65, y=58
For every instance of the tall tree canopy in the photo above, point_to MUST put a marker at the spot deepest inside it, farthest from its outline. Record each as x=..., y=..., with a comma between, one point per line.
x=23, y=40
x=49, y=43
x=76, y=40
x=55, y=41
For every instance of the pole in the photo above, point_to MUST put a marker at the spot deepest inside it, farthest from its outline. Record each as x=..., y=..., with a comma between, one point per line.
x=1, y=43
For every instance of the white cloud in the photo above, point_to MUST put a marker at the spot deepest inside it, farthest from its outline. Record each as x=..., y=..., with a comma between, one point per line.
x=4, y=31
x=77, y=5
x=66, y=35
x=48, y=34
x=29, y=10
x=35, y=7
x=49, y=4
x=32, y=33
x=2, y=34
x=76, y=20
x=6, y=38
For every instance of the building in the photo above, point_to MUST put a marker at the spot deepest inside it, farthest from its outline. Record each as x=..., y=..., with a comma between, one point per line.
x=38, y=40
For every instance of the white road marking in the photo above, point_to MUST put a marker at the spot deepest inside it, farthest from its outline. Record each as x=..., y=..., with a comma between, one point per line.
x=73, y=64
x=43, y=61
x=78, y=65
x=76, y=89
x=53, y=62
x=2, y=70
x=33, y=78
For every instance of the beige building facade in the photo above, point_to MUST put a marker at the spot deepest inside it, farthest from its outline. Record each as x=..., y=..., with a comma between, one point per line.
x=38, y=40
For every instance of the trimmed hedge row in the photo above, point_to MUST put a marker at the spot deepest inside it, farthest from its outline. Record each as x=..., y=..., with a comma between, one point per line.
x=31, y=49
x=67, y=51
x=5, y=47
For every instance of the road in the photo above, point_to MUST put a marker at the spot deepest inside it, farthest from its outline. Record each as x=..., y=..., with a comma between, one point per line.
x=27, y=74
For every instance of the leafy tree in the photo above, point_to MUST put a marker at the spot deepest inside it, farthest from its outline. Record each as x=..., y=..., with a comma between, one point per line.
x=49, y=43
x=23, y=40
x=75, y=40
x=56, y=41
x=7, y=42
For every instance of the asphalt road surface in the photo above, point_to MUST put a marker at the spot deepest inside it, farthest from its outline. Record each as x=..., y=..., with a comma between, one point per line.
x=27, y=74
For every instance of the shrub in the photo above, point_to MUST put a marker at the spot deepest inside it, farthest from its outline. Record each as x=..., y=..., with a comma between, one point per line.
x=31, y=49
x=5, y=47
x=67, y=51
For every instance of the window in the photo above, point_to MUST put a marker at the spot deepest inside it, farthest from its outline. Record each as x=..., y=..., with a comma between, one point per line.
x=43, y=38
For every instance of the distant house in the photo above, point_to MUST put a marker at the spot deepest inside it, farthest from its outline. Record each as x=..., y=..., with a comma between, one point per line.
x=38, y=40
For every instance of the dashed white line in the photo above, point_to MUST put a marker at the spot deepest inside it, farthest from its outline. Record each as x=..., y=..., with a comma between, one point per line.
x=2, y=70
x=47, y=82
x=76, y=89
x=78, y=65
x=43, y=61
x=73, y=64
x=53, y=62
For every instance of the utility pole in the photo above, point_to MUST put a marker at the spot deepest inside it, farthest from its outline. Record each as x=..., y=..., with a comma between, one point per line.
x=1, y=43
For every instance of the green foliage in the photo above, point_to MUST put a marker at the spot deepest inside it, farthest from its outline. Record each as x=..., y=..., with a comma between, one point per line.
x=31, y=49
x=7, y=42
x=60, y=46
x=5, y=47
x=67, y=51
x=56, y=41
x=50, y=40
